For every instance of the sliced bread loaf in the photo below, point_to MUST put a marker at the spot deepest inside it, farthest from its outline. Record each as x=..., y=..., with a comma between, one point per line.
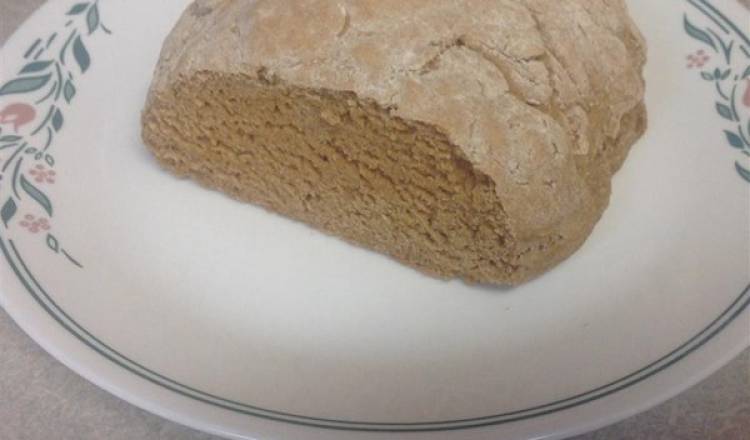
x=466, y=138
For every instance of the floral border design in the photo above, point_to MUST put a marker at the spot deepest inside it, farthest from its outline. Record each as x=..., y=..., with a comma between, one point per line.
x=41, y=90
x=724, y=61
x=738, y=307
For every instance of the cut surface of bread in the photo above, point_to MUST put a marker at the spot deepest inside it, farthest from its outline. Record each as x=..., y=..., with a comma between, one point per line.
x=465, y=141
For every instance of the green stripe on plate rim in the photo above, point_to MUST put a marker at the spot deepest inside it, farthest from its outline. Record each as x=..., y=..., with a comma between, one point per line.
x=9, y=250
x=734, y=310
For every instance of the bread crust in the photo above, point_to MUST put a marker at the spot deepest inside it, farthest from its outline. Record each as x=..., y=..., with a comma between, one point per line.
x=544, y=97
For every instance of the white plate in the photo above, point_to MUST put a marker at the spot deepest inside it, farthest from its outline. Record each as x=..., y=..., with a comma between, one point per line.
x=229, y=319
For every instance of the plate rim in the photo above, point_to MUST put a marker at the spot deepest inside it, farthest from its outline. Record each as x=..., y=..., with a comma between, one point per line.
x=738, y=307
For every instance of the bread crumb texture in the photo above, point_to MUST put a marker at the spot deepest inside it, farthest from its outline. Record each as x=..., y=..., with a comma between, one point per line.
x=471, y=139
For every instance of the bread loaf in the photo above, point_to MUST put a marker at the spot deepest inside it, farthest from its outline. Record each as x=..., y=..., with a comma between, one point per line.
x=470, y=139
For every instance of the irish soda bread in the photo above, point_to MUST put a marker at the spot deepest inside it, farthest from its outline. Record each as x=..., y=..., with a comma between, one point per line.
x=467, y=138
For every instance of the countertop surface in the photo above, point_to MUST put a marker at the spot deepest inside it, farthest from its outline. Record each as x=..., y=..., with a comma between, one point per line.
x=42, y=399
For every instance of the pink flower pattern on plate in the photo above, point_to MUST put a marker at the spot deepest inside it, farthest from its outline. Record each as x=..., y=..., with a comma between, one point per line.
x=43, y=175
x=35, y=225
x=698, y=59
x=17, y=114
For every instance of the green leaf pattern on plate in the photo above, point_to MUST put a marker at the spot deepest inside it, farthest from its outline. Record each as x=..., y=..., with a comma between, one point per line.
x=78, y=8
x=699, y=34
x=8, y=210
x=39, y=93
x=57, y=120
x=81, y=54
x=734, y=140
x=36, y=66
x=92, y=19
x=36, y=194
x=724, y=60
x=24, y=85
x=69, y=91
x=52, y=243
